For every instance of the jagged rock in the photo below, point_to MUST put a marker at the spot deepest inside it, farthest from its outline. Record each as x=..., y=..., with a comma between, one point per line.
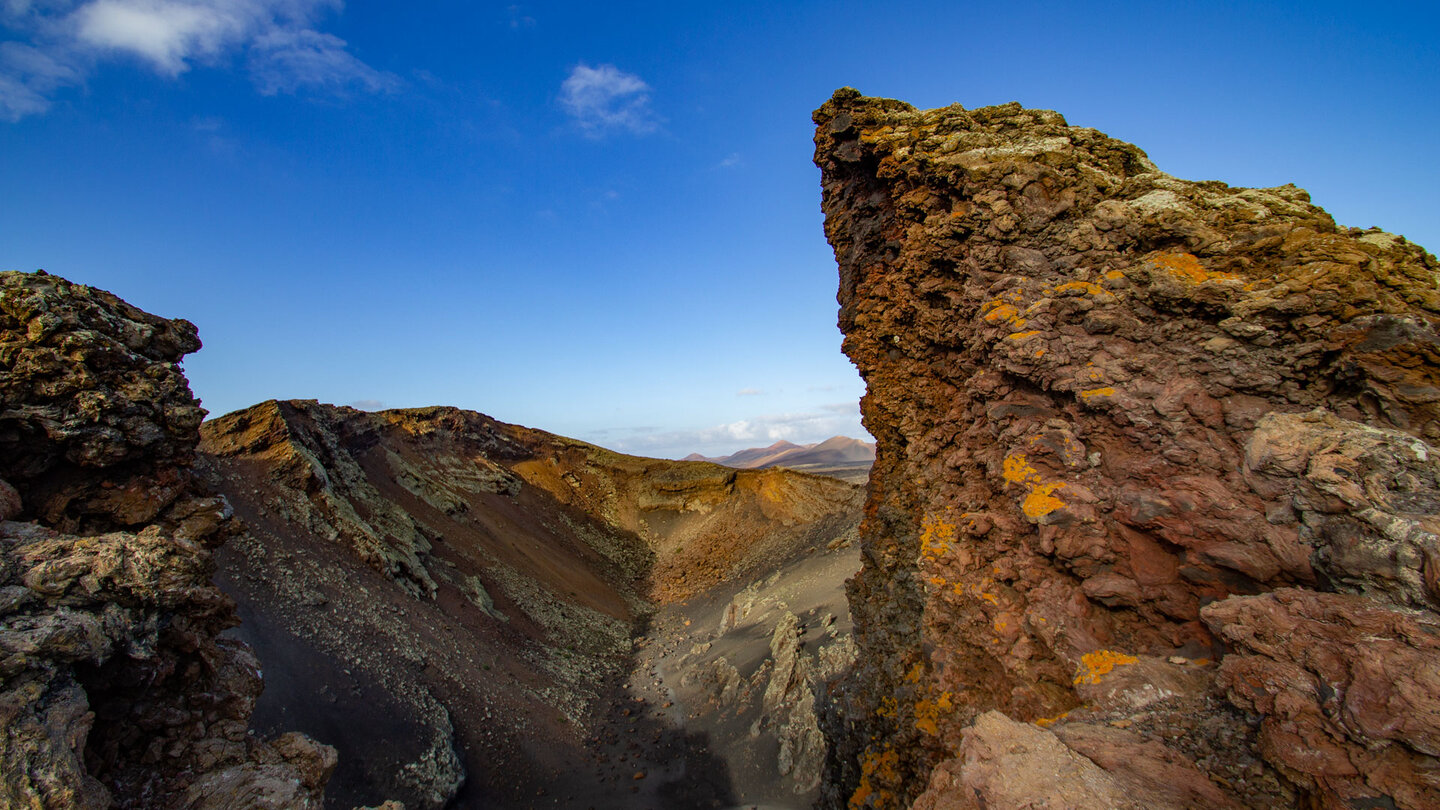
x=1349, y=690
x=1008, y=765
x=1367, y=500
x=97, y=423
x=788, y=706
x=1005, y=765
x=1094, y=389
x=115, y=687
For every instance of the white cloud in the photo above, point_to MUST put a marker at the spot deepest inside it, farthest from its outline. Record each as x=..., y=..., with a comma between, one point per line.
x=368, y=405
x=731, y=161
x=749, y=392
x=167, y=33
x=838, y=419
x=27, y=76
x=285, y=52
x=606, y=98
x=285, y=60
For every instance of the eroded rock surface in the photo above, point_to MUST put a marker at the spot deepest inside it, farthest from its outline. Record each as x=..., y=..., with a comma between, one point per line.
x=116, y=689
x=1104, y=399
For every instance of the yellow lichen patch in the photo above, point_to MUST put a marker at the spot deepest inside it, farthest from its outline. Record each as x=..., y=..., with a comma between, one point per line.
x=1002, y=311
x=915, y=673
x=1017, y=469
x=1188, y=268
x=997, y=310
x=1089, y=287
x=1042, y=501
x=883, y=766
x=936, y=537
x=1022, y=335
x=888, y=708
x=938, y=582
x=1046, y=722
x=1107, y=391
x=1114, y=274
x=1039, y=353
x=1098, y=664
x=1039, y=499
x=977, y=591
x=928, y=713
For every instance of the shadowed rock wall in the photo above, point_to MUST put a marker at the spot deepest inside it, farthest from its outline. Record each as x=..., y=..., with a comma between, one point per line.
x=1156, y=477
x=115, y=688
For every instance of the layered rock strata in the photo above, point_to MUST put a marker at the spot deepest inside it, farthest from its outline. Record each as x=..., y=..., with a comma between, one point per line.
x=116, y=689
x=1155, y=497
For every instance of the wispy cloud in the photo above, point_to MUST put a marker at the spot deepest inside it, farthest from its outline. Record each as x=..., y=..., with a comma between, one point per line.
x=368, y=405
x=68, y=40
x=286, y=60
x=812, y=426
x=731, y=161
x=749, y=392
x=605, y=98
x=519, y=19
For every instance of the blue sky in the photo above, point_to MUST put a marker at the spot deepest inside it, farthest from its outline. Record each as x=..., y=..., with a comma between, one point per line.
x=602, y=219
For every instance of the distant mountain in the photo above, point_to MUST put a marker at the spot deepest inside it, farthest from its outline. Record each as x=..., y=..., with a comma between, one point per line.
x=838, y=450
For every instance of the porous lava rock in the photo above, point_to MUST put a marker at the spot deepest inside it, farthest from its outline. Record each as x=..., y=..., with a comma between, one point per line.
x=116, y=689
x=1153, y=455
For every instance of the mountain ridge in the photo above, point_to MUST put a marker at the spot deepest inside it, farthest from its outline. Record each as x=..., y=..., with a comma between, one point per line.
x=783, y=453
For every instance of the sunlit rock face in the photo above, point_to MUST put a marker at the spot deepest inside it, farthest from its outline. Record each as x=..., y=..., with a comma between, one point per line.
x=115, y=686
x=1156, y=475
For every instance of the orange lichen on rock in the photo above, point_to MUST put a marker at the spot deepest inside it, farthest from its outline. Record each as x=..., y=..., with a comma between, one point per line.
x=1089, y=287
x=1188, y=268
x=936, y=537
x=1046, y=722
x=1098, y=664
x=883, y=767
x=928, y=713
x=1039, y=499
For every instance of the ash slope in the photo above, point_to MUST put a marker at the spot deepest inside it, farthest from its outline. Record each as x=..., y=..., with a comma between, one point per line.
x=453, y=601
x=1157, y=469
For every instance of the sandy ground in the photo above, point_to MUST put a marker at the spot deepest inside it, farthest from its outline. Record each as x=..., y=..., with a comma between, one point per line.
x=670, y=739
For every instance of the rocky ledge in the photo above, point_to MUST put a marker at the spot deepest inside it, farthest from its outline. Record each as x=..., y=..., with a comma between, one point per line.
x=1153, y=517
x=116, y=689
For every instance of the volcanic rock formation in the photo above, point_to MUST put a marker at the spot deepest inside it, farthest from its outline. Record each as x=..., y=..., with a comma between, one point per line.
x=492, y=615
x=116, y=689
x=1153, y=520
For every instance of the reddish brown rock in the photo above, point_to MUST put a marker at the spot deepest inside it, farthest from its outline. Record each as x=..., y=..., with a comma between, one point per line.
x=1349, y=689
x=1087, y=380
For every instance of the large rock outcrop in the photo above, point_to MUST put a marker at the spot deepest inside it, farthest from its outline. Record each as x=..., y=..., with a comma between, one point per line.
x=1156, y=471
x=116, y=689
